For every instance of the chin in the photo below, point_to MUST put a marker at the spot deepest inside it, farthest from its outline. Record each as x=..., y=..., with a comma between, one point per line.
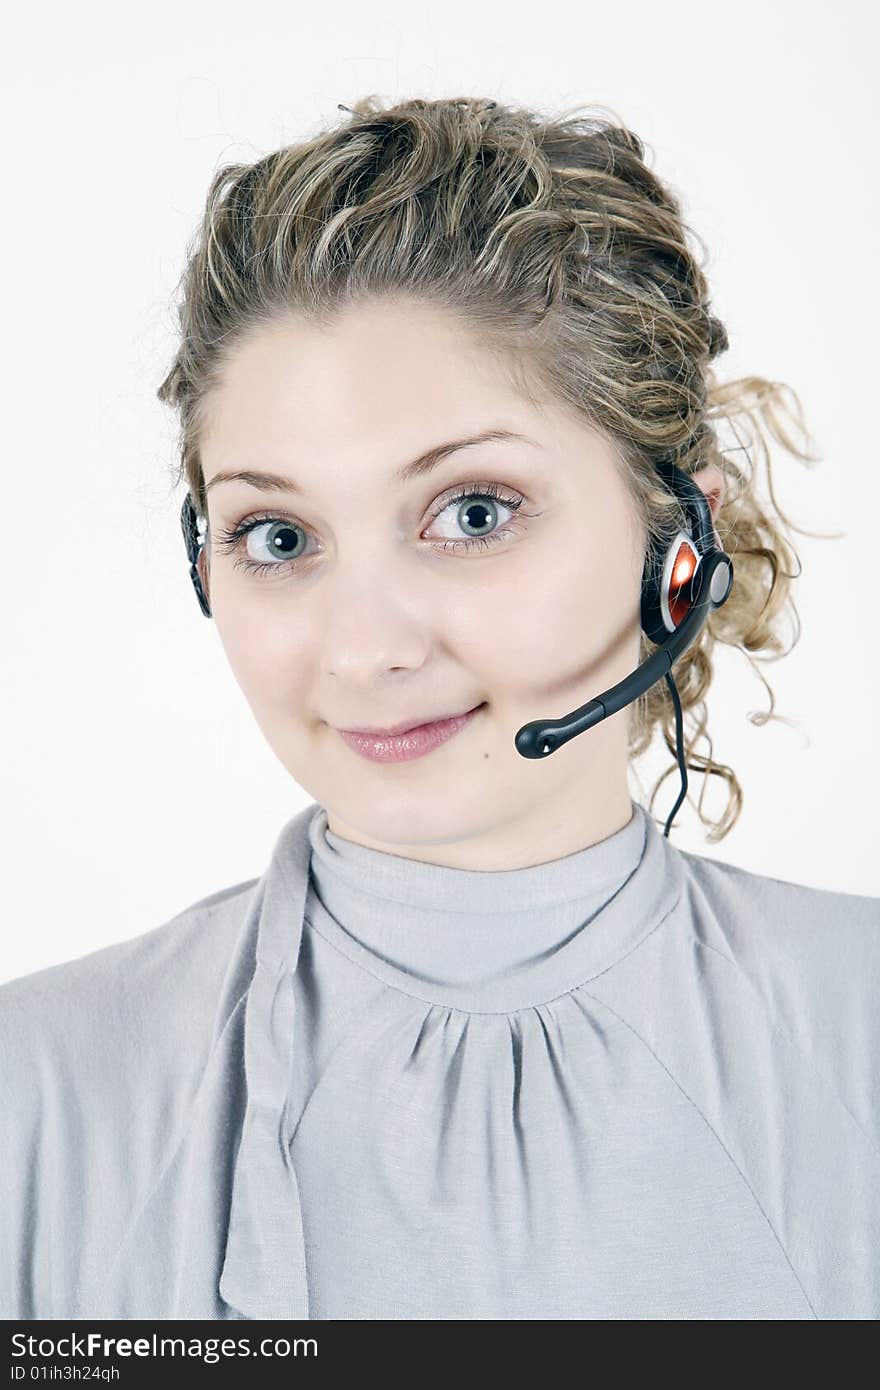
x=407, y=820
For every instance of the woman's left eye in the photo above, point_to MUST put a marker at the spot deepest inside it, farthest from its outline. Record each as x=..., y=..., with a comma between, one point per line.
x=476, y=506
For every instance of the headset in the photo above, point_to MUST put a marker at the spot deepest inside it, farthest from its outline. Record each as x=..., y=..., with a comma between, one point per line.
x=682, y=582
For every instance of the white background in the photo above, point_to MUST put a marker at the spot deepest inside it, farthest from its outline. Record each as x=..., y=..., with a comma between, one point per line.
x=135, y=780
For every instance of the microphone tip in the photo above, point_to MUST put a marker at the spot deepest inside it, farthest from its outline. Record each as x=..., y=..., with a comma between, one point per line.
x=533, y=742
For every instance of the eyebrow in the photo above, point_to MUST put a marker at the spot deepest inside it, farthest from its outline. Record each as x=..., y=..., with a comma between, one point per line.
x=416, y=468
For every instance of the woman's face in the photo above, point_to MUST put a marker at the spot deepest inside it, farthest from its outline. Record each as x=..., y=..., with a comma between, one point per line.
x=527, y=612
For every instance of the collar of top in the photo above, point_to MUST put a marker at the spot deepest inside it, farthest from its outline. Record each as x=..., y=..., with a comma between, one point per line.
x=220, y=1233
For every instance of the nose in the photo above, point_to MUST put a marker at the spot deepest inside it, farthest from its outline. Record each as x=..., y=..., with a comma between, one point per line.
x=373, y=622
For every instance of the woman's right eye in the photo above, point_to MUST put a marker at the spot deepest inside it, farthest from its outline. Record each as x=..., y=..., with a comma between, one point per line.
x=281, y=539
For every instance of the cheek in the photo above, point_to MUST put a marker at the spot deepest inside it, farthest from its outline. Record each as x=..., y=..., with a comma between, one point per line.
x=581, y=582
x=266, y=652
x=566, y=604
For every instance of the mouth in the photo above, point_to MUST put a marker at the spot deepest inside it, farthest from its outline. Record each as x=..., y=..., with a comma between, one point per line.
x=412, y=741
x=408, y=725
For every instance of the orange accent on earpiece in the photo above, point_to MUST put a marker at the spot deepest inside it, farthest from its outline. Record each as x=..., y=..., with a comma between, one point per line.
x=683, y=571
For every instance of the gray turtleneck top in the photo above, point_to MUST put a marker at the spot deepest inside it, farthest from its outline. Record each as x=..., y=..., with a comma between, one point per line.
x=440, y=1022
x=630, y=1083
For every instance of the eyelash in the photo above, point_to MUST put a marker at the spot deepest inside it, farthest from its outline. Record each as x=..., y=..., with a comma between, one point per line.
x=232, y=540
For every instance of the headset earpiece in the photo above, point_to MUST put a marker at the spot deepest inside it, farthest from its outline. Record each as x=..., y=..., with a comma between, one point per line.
x=671, y=580
x=194, y=548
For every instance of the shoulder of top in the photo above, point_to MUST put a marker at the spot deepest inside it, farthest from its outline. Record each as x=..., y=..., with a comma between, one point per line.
x=810, y=956
x=123, y=1031
x=753, y=917
x=718, y=877
x=192, y=942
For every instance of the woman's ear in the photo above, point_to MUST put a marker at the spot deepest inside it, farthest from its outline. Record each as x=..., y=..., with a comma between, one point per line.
x=712, y=482
x=204, y=570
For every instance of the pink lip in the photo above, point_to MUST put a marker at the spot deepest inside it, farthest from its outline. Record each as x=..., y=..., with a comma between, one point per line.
x=400, y=748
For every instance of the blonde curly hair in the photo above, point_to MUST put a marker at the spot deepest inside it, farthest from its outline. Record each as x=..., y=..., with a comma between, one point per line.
x=570, y=257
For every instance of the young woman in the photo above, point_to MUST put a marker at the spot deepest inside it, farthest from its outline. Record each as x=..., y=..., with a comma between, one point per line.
x=481, y=1042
